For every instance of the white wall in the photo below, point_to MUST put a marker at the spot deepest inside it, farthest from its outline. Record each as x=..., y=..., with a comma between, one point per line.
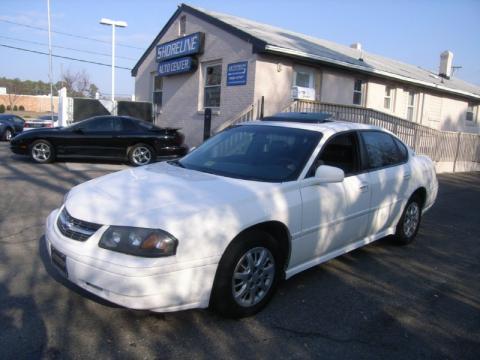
x=337, y=87
x=273, y=80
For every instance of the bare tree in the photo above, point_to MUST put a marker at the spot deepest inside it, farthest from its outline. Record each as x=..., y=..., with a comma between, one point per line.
x=78, y=84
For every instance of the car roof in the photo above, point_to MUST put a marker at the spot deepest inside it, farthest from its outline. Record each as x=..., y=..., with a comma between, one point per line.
x=327, y=128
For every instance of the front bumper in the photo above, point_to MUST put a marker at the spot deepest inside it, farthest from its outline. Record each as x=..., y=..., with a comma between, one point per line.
x=166, y=288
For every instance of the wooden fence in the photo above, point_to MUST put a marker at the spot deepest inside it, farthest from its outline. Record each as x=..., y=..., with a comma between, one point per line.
x=440, y=146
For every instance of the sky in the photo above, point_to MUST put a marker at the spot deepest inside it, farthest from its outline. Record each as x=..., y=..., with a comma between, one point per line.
x=415, y=32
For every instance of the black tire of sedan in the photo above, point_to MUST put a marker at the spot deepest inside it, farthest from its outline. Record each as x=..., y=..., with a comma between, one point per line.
x=42, y=151
x=409, y=223
x=247, y=275
x=7, y=136
x=141, y=154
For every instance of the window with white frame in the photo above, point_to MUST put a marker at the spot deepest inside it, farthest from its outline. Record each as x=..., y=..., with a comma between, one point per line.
x=304, y=78
x=182, y=25
x=387, y=101
x=411, y=104
x=358, y=92
x=157, y=90
x=212, y=85
x=470, y=116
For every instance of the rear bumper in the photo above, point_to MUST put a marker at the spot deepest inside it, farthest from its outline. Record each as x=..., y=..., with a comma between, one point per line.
x=159, y=288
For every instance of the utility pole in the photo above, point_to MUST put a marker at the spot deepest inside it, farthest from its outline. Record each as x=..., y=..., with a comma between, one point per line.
x=50, y=75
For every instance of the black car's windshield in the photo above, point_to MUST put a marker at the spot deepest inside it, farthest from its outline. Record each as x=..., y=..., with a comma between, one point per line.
x=252, y=152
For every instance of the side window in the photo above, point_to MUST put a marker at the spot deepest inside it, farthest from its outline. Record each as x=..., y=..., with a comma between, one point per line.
x=341, y=152
x=403, y=150
x=99, y=124
x=128, y=125
x=381, y=149
x=18, y=121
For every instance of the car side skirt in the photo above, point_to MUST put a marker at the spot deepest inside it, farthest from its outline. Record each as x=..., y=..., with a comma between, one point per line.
x=321, y=259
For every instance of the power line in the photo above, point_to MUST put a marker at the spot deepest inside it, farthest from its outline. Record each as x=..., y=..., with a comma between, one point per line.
x=68, y=34
x=64, y=47
x=63, y=57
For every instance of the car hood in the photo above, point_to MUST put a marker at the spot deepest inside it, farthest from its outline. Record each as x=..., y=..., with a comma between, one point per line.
x=151, y=195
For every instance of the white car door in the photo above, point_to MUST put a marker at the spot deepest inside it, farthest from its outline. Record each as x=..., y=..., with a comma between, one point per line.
x=336, y=214
x=389, y=175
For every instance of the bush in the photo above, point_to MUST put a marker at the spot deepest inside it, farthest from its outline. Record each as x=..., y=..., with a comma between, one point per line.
x=2, y=108
x=9, y=108
x=15, y=108
x=21, y=108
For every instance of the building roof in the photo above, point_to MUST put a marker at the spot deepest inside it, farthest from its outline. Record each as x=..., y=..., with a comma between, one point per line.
x=274, y=40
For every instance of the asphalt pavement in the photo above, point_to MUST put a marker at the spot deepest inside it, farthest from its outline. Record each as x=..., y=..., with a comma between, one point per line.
x=383, y=301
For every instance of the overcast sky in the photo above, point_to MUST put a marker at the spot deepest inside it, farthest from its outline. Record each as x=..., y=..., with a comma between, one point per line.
x=414, y=32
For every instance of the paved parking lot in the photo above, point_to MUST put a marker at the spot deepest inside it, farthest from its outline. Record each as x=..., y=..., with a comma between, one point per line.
x=379, y=302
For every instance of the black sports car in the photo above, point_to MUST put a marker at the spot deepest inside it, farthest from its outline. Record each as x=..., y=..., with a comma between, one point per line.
x=10, y=125
x=106, y=137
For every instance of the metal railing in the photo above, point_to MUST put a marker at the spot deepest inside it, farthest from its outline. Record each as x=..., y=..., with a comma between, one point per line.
x=440, y=146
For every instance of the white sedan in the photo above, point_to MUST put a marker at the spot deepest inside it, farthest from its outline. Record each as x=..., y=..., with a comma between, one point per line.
x=255, y=204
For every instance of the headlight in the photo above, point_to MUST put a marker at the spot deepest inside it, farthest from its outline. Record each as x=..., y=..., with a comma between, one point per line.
x=139, y=241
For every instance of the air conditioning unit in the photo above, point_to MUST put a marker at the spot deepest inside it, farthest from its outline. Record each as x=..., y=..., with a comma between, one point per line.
x=303, y=93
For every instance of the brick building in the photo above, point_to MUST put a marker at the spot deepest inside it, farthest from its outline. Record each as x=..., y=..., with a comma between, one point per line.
x=206, y=59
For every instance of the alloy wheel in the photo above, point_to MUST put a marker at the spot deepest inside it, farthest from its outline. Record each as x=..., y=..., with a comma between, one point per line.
x=253, y=276
x=141, y=155
x=8, y=135
x=41, y=152
x=412, y=218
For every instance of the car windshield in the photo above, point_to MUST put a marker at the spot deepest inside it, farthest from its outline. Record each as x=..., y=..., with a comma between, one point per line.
x=252, y=152
x=48, y=117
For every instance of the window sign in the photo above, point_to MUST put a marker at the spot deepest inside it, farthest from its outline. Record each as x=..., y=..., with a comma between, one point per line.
x=237, y=73
x=177, y=66
x=187, y=45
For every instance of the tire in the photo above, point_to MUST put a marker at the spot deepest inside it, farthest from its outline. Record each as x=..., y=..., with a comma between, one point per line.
x=141, y=154
x=7, y=135
x=409, y=223
x=42, y=151
x=230, y=295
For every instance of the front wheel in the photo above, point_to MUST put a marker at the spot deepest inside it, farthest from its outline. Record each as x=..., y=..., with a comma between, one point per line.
x=409, y=223
x=42, y=151
x=247, y=275
x=141, y=154
x=8, y=135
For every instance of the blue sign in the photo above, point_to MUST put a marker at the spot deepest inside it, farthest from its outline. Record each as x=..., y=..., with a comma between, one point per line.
x=187, y=45
x=176, y=66
x=237, y=73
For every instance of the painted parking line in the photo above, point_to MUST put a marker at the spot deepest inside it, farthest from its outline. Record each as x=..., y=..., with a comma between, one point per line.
x=74, y=166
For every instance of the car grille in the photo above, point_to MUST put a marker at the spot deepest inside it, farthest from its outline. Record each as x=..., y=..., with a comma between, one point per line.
x=75, y=229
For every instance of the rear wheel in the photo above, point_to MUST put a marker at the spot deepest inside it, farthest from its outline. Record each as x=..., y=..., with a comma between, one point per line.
x=409, y=223
x=42, y=151
x=141, y=154
x=247, y=275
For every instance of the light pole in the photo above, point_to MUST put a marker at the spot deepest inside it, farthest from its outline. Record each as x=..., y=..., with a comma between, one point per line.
x=50, y=75
x=113, y=24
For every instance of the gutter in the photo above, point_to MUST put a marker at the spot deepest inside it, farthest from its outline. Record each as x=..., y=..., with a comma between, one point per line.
x=282, y=50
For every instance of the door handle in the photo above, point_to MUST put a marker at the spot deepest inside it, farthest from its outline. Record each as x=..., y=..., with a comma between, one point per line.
x=407, y=176
x=363, y=187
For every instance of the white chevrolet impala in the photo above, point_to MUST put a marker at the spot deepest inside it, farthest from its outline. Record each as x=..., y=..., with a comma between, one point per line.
x=255, y=204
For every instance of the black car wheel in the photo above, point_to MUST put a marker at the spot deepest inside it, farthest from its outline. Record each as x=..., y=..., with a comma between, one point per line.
x=7, y=135
x=247, y=275
x=141, y=154
x=42, y=151
x=409, y=223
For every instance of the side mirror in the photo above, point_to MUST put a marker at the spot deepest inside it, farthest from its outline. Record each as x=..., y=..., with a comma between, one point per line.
x=329, y=174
